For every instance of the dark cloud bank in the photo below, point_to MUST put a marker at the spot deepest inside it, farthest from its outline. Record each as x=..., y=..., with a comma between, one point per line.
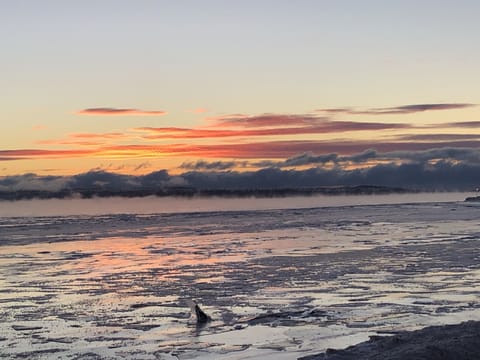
x=456, y=170
x=442, y=176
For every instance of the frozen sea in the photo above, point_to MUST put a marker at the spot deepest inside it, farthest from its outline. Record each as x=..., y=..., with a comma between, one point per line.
x=281, y=278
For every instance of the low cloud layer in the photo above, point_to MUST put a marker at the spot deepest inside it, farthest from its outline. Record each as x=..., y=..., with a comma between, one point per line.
x=442, y=169
x=420, y=176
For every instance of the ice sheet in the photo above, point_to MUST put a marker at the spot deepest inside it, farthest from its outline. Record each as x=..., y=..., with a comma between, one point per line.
x=278, y=283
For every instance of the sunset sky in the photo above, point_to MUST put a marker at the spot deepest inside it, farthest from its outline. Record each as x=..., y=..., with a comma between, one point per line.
x=134, y=87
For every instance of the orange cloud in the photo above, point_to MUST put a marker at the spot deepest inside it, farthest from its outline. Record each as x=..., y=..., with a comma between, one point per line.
x=251, y=150
x=107, y=111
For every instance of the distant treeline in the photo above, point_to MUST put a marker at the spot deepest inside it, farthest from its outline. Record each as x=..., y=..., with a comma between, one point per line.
x=191, y=192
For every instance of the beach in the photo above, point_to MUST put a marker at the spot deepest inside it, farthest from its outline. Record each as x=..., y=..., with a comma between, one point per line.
x=279, y=282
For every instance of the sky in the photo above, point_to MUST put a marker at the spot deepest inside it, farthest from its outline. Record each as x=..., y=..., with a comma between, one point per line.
x=364, y=90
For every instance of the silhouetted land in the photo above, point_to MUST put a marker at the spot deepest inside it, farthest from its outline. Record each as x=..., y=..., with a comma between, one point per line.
x=190, y=192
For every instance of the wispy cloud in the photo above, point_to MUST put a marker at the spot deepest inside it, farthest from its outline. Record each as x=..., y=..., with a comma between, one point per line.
x=321, y=127
x=265, y=120
x=108, y=111
x=403, y=109
x=114, y=135
x=142, y=166
x=21, y=154
x=461, y=124
x=438, y=137
x=408, y=109
x=10, y=158
x=284, y=149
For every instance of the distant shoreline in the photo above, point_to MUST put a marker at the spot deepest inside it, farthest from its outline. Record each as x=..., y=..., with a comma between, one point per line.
x=192, y=192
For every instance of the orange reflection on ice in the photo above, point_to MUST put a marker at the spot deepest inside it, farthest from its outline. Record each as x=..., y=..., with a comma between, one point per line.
x=163, y=256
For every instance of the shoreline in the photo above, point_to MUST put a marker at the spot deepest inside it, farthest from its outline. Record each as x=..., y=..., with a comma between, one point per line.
x=445, y=342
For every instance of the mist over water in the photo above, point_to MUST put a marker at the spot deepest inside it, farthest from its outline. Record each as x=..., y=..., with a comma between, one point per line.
x=154, y=205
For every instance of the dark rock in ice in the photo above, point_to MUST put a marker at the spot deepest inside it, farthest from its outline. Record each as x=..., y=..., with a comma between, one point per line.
x=285, y=318
x=200, y=315
x=202, y=318
x=26, y=328
x=145, y=304
x=449, y=342
x=61, y=340
x=142, y=327
x=38, y=354
x=88, y=356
